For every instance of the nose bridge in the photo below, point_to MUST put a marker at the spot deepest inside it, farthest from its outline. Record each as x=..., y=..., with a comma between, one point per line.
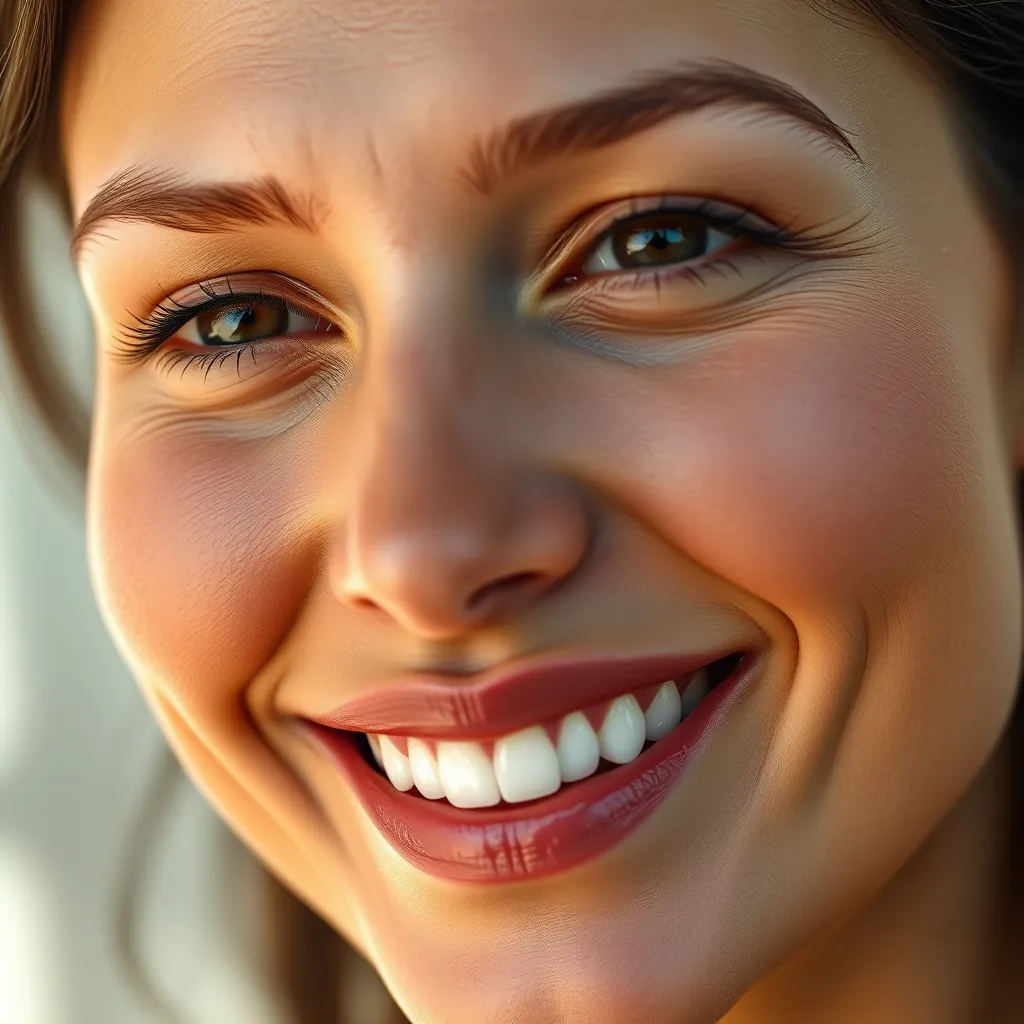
x=447, y=521
x=422, y=385
x=420, y=459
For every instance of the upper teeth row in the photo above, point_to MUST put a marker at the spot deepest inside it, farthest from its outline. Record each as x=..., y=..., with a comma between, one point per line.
x=526, y=764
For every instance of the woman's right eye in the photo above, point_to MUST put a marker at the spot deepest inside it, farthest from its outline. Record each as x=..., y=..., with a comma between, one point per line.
x=249, y=321
x=232, y=339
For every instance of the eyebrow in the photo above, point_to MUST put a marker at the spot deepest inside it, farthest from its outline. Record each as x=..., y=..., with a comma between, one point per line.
x=163, y=197
x=627, y=110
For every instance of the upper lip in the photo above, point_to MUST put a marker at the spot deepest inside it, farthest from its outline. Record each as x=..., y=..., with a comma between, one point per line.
x=449, y=707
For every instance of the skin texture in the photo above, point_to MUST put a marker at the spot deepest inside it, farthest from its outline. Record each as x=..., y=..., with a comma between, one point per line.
x=825, y=465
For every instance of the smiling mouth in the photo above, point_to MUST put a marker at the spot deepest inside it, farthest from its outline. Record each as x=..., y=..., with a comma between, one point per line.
x=540, y=760
x=489, y=807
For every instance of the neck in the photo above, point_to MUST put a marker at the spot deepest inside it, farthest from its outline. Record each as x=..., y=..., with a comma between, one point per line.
x=925, y=949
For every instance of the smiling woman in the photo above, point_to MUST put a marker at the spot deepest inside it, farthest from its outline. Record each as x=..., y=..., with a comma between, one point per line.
x=552, y=475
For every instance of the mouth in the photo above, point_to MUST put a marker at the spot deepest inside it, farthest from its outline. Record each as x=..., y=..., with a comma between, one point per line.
x=541, y=759
x=543, y=797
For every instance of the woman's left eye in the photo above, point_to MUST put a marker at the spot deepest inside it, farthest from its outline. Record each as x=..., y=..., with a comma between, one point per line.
x=245, y=322
x=654, y=240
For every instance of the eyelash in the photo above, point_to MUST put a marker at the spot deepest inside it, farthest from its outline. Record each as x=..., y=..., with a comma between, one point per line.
x=170, y=316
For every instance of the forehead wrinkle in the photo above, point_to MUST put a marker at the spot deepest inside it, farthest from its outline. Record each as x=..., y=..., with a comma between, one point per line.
x=261, y=38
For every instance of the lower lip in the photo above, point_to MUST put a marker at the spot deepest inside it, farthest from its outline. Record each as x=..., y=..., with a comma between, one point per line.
x=531, y=840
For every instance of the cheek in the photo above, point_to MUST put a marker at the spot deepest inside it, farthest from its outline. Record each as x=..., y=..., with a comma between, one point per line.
x=823, y=459
x=196, y=558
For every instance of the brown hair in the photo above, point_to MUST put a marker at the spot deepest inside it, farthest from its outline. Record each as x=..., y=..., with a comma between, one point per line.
x=974, y=47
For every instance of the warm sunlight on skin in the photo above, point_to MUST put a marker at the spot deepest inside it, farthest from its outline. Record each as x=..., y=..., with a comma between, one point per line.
x=479, y=438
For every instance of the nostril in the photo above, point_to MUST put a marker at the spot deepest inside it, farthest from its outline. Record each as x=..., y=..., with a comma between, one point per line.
x=508, y=586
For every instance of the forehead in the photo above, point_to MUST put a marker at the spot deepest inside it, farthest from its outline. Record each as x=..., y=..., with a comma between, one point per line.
x=222, y=85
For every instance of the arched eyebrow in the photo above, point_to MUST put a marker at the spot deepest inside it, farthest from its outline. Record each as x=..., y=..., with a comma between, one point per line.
x=623, y=111
x=157, y=196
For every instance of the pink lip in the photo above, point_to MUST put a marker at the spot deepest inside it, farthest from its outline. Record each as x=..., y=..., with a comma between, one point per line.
x=531, y=840
x=424, y=706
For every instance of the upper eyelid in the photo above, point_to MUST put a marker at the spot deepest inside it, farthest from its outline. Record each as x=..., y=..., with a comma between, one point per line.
x=619, y=223
x=592, y=227
x=224, y=291
x=224, y=288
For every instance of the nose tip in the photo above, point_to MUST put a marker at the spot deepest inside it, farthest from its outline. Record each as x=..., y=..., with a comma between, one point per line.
x=439, y=581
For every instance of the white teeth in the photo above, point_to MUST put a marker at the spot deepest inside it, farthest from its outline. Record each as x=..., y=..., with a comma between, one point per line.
x=375, y=748
x=665, y=712
x=467, y=775
x=396, y=764
x=424, y=770
x=695, y=692
x=578, y=750
x=623, y=731
x=526, y=765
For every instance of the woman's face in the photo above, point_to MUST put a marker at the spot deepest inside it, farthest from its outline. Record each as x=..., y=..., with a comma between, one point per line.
x=570, y=371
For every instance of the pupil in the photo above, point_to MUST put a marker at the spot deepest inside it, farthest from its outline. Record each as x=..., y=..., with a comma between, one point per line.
x=241, y=323
x=671, y=242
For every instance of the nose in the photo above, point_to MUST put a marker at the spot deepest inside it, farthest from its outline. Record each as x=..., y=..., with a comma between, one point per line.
x=446, y=526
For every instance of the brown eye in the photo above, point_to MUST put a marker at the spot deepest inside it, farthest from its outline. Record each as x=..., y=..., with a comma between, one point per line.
x=658, y=240
x=250, y=321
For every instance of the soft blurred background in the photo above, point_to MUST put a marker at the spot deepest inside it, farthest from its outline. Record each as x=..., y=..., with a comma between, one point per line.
x=79, y=754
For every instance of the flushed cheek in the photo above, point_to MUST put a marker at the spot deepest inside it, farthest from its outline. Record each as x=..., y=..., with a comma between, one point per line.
x=197, y=559
x=824, y=461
